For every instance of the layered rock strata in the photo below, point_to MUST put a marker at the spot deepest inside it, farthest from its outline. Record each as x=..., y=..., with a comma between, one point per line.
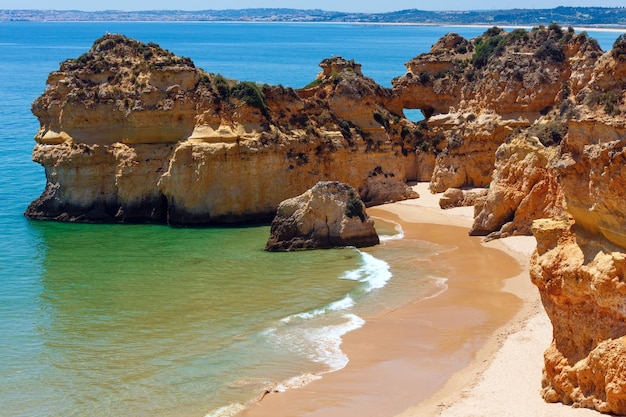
x=523, y=189
x=131, y=132
x=328, y=215
x=132, y=113
x=475, y=93
x=580, y=263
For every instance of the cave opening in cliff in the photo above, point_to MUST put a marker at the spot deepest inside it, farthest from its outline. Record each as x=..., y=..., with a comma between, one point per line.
x=414, y=115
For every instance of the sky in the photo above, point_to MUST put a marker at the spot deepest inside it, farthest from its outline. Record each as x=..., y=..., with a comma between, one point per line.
x=366, y=6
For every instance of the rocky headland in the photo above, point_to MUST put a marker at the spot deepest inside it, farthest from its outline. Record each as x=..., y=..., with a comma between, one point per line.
x=132, y=133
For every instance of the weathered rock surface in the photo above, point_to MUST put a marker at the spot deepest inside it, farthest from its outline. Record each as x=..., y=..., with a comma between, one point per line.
x=523, y=189
x=328, y=215
x=124, y=97
x=580, y=265
x=477, y=92
x=581, y=281
x=213, y=132
x=130, y=132
x=455, y=197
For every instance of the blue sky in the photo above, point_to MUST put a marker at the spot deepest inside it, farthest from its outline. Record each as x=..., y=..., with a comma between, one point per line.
x=335, y=5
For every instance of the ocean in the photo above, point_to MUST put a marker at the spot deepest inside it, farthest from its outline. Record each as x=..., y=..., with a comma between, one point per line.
x=147, y=320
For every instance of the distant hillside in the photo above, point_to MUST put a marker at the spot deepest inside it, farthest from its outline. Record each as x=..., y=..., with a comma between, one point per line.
x=565, y=16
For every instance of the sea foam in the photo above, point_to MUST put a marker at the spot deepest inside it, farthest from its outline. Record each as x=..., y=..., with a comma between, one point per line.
x=227, y=411
x=317, y=334
x=398, y=235
x=374, y=273
x=316, y=342
x=343, y=304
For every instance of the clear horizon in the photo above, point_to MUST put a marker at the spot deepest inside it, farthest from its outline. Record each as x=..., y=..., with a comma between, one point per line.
x=365, y=6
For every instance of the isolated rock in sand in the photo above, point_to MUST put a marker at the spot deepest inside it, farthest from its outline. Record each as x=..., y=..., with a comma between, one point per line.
x=381, y=188
x=455, y=197
x=328, y=215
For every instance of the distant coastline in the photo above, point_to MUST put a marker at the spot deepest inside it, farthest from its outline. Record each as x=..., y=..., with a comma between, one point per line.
x=589, y=17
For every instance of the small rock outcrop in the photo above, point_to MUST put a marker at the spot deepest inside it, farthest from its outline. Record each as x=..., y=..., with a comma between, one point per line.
x=455, y=197
x=328, y=215
x=381, y=188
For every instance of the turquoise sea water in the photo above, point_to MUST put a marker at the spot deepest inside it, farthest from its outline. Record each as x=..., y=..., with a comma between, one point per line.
x=128, y=320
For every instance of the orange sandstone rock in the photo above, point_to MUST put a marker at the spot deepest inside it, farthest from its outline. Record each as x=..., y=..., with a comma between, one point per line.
x=523, y=189
x=330, y=214
x=130, y=132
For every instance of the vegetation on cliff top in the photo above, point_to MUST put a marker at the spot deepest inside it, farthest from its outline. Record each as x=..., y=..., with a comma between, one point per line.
x=543, y=42
x=114, y=49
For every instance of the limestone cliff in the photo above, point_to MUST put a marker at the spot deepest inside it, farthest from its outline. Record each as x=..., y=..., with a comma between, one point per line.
x=131, y=132
x=328, y=215
x=523, y=189
x=545, y=109
x=475, y=93
x=580, y=264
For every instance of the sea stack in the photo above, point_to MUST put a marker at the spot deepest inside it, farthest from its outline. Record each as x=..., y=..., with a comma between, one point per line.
x=330, y=214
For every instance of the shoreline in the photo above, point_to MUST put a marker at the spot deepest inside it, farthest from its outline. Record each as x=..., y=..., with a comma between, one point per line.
x=485, y=25
x=428, y=357
x=504, y=378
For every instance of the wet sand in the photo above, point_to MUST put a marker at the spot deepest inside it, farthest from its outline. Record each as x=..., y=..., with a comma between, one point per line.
x=415, y=354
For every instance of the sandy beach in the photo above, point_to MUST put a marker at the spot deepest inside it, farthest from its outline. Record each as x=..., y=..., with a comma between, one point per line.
x=473, y=350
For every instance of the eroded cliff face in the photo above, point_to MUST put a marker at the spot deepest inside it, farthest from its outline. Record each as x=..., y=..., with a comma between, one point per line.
x=477, y=92
x=130, y=132
x=580, y=263
x=163, y=141
x=546, y=109
x=523, y=189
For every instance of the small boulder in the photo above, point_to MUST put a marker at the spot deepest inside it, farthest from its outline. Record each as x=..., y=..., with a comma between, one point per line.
x=330, y=214
x=455, y=197
x=382, y=188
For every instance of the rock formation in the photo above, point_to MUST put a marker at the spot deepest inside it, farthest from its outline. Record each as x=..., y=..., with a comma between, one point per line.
x=130, y=132
x=523, y=189
x=455, y=197
x=381, y=188
x=477, y=92
x=580, y=264
x=328, y=215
